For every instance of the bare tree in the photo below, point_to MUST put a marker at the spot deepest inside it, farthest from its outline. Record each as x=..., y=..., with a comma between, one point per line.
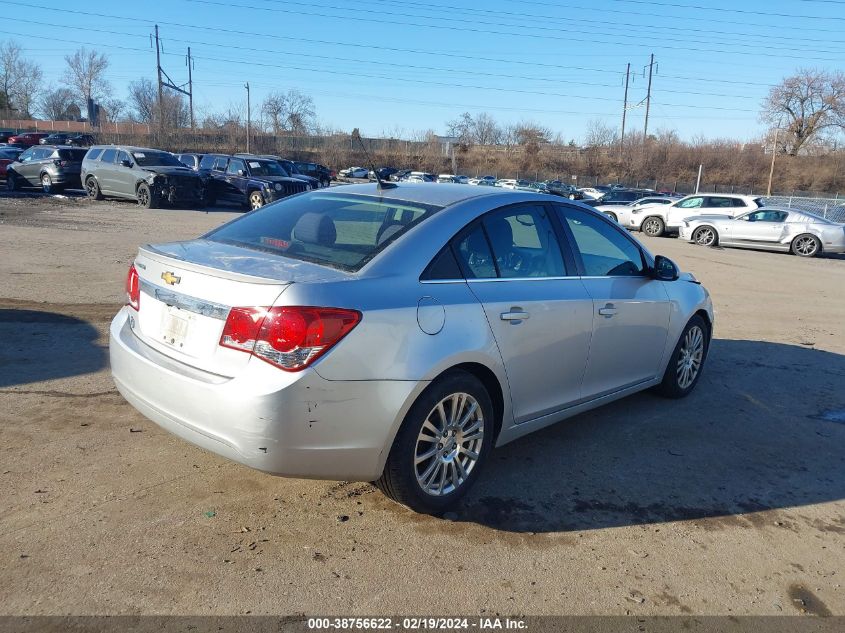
x=599, y=134
x=290, y=111
x=462, y=129
x=85, y=75
x=55, y=104
x=807, y=103
x=143, y=105
x=20, y=80
x=486, y=131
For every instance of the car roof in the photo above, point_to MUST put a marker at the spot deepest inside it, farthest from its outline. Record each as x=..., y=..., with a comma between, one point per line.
x=128, y=148
x=440, y=194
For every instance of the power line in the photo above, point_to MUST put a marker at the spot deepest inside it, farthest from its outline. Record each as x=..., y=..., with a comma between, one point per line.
x=724, y=10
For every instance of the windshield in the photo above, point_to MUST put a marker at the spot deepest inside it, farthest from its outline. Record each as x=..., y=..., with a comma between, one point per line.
x=266, y=168
x=156, y=159
x=341, y=231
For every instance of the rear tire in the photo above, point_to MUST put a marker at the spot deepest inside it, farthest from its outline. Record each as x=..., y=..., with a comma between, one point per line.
x=92, y=188
x=653, y=226
x=442, y=445
x=11, y=182
x=47, y=185
x=687, y=360
x=612, y=216
x=806, y=245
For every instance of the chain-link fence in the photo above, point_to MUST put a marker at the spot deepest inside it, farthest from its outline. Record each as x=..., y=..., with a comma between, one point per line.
x=830, y=208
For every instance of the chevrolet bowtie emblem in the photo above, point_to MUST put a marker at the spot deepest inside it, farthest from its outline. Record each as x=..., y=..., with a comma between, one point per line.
x=170, y=278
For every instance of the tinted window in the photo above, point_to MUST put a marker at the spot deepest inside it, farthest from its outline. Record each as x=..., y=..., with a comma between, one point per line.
x=72, y=154
x=108, y=156
x=235, y=165
x=604, y=250
x=720, y=203
x=738, y=202
x=524, y=242
x=93, y=154
x=691, y=203
x=220, y=163
x=443, y=266
x=473, y=250
x=207, y=162
x=340, y=231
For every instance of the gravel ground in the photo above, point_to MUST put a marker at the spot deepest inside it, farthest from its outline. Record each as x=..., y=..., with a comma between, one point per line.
x=731, y=501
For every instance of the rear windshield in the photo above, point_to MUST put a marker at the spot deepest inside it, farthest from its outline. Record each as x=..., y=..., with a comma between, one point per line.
x=156, y=159
x=72, y=154
x=341, y=231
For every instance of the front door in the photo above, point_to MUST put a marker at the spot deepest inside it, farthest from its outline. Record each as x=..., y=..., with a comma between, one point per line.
x=630, y=309
x=540, y=316
x=759, y=226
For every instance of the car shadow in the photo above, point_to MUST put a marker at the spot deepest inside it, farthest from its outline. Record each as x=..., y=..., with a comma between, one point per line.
x=764, y=429
x=40, y=345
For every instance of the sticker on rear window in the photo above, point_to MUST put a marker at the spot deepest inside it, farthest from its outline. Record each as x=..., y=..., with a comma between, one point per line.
x=139, y=155
x=255, y=165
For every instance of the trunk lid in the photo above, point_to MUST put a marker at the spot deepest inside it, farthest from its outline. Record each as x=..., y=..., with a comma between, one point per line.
x=188, y=288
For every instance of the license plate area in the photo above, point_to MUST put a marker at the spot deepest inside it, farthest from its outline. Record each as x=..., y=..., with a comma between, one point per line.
x=175, y=327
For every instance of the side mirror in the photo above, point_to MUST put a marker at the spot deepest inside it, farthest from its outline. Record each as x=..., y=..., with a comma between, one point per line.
x=665, y=269
x=126, y=163
x=241, y=172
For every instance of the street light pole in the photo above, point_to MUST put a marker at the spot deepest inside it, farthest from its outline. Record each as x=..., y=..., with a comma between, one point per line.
x=772, y=168
x=246, y=85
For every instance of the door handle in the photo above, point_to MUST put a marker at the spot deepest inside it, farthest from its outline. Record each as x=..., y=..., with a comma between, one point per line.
x=515, y=314
x=608, y=310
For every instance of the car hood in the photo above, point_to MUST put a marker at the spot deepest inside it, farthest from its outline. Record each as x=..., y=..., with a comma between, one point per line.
x=171, y=171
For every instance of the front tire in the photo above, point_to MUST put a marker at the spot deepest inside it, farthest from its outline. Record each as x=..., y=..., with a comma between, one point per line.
x=92, y=188
x=443, y=443
x=653, y=226
x=687, y=361
x=146, y=198
x=705, y=236
x=806, y=246
x=256, y=200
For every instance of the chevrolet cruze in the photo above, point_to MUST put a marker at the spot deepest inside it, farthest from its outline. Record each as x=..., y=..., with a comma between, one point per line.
x=397, y=333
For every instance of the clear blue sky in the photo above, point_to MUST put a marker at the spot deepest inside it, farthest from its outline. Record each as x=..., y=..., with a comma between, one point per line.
x=390, y=66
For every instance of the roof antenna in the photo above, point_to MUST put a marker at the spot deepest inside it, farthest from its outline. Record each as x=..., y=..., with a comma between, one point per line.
x=381, y=183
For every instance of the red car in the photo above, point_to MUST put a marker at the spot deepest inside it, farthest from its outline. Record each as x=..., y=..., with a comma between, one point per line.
x=8, y=155
x=27, y=138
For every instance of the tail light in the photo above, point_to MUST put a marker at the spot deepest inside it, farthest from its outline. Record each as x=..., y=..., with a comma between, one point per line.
x=290, y=337
x=133, y=289
x=61, y=163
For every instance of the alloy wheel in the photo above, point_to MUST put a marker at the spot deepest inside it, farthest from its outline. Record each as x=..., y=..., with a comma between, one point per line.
x=652, y=227
x=143, y=197
x=806, y=246
x=46, y=183
x=256, y=201
x=705, y=236
x=690, y=357
x=449, y=444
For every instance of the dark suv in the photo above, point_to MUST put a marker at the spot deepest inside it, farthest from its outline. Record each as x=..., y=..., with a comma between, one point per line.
x=81, y=140
x=148, y=176
x=322, y=173
x=620, y=197
x=290, y=167
x=249, y=181
x=50, y=167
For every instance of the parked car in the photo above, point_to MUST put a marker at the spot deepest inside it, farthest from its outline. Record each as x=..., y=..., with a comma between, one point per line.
x=264, y=341
x=81, y=140
x=697, y=204
x=48, y=167
x=623, y=214
x=563, y=189
x=56, y=138
x=248, y=181
x=771, y=229
x=354, y=172
x=398, y=174
x=189, y=160
x=8, y=155
x=322, y=173
x=293, y=172
x=616, y=198
x=420, y=176
x=593, y=193
x=151, y=177
x=445, y=178
x=26, y=139
x=5, y=135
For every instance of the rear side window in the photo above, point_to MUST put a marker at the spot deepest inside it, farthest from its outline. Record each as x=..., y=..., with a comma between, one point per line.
x=93, y=154
x=475, y=255
x=207, y=162
x=341, y=231
x=720, y=202
x=108, y=156
x=443, y=266
x=738, y=202
x=605, y=251
x=72, y=154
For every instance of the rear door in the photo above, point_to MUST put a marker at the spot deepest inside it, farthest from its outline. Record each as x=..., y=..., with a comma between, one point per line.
x=630, y=317
x=538, y=310
x=104, y=170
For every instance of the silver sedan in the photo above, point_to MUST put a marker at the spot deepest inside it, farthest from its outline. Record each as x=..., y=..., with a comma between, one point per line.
x=398, y=334
x=771, y=229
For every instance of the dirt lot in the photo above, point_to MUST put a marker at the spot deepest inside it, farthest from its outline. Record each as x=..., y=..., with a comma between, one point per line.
x=729, y=502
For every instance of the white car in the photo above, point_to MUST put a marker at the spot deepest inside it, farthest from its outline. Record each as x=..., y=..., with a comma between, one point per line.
x=770, y=229
x=506, y=183
x=444, y=178
x=656, y=220
x=623, y=213
x=595, y=194
x=354, y=172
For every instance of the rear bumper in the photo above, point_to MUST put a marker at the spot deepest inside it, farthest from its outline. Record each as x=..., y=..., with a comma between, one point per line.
x=290, y=424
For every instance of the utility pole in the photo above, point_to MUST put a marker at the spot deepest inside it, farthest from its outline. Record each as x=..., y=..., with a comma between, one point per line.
x=648, y=100
x=190, y=87
x=625, y=105
x=246, y=85
x=772, y=168
x=158, y=68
